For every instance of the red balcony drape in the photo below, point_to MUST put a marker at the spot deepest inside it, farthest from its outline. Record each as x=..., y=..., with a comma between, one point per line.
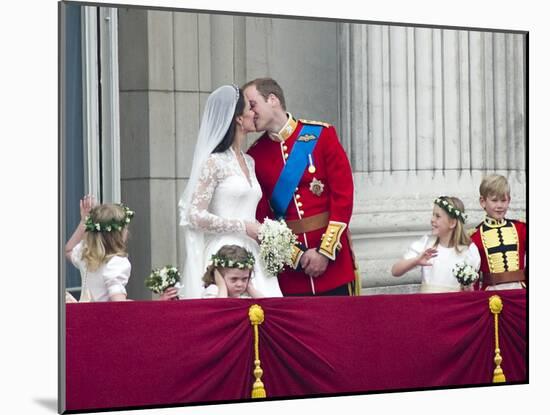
x=140, y=353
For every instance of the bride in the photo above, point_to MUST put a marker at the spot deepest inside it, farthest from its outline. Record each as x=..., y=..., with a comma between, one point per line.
x=218, y=206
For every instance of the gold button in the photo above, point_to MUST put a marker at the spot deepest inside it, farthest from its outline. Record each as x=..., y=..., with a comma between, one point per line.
x=327, y=244
x=299, y=204
x=285, y=148
x=329, y=239
x=286, y=155
x=301, y=212
x=298, y=196
x=296, y=190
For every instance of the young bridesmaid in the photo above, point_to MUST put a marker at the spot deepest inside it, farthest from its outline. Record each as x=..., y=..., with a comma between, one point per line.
x=230, y=274
x=437, y=254
x=98, y=249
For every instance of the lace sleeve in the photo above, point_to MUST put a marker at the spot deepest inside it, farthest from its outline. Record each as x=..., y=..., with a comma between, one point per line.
x=199, y=216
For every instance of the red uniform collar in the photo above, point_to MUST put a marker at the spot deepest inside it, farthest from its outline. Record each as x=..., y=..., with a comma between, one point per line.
x=287, y=130
x=493, y=223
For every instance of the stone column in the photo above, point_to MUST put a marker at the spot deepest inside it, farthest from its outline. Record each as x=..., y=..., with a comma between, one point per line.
x=426, y=112
x=147, y=118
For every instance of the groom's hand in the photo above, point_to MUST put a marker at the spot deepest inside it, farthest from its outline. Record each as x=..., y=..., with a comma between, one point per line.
x=313, y=263
x=169, y=294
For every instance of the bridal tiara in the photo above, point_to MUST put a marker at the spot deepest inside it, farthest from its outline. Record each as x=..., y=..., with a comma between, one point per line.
x=237, y=89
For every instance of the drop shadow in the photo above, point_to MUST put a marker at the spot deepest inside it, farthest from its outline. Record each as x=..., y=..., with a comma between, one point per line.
x=48, y=403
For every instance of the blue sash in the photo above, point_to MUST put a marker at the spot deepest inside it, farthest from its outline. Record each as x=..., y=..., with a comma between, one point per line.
x=294, y=169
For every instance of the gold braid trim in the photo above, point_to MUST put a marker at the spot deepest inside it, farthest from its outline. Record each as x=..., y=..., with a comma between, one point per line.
x=495, y=305
x=324, y=124
x=296, y=256
x=330, y=242
x=256, y=315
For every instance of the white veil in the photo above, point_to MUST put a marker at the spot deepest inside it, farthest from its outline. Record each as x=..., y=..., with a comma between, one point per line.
x=216, y=119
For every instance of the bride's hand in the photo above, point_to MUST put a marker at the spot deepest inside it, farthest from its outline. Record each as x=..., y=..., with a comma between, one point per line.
x=252, y=229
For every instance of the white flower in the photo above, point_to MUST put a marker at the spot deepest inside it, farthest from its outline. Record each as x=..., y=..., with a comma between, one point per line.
x=276, y=241
x=465, y=274
x=98, y=226
x=162, y=278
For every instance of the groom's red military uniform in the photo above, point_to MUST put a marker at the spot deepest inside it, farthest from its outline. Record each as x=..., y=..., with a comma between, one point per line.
x=320, y=208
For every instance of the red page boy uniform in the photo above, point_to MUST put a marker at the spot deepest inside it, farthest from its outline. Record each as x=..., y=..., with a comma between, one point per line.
x=502, y=246
x=306, y=179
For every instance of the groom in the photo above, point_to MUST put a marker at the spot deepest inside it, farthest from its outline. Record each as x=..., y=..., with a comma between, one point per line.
x=306, y=179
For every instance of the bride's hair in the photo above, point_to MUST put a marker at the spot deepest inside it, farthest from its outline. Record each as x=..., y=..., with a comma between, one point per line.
x=234, y=253
x=230, y=134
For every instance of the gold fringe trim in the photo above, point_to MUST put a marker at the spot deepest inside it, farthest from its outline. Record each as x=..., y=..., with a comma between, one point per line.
x=256, y=315
x=495, y=305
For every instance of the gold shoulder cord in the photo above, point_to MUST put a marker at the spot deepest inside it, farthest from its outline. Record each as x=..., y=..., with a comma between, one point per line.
x=324, y=124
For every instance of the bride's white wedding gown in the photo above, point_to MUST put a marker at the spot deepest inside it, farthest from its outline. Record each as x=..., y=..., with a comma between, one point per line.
x=224, y=198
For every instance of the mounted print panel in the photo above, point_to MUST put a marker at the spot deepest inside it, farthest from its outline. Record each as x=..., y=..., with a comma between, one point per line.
x=362, y=185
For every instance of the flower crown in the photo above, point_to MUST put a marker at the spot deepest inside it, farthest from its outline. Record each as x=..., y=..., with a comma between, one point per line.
x=112, y=225
x=224, y=262
x=450, y=209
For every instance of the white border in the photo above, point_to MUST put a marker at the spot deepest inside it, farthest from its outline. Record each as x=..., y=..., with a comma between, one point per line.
x=28, y=166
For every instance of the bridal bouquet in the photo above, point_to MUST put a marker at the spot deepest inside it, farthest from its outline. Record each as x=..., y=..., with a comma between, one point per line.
x=465, y=274
x=162, y=278
x=276, y=241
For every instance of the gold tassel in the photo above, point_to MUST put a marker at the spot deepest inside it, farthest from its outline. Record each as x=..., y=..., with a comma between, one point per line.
x=357, y=281
x=495, y=305
x=256, y=315
x=357, y=284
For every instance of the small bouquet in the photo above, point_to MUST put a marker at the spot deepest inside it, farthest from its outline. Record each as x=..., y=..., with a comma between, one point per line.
x=276, y=241
x=162, y=278
x=465, y=274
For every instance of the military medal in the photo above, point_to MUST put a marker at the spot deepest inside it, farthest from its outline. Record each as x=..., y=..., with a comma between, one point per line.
x=311, y=167
x=316, y=187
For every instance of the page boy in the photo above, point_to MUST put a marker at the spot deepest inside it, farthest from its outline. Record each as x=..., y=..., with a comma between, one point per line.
x=501, y=242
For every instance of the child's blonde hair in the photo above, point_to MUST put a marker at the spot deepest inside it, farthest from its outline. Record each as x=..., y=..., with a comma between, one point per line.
x=459, y=237
x=228, y=256
x=494, y=185
x=100, y=246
